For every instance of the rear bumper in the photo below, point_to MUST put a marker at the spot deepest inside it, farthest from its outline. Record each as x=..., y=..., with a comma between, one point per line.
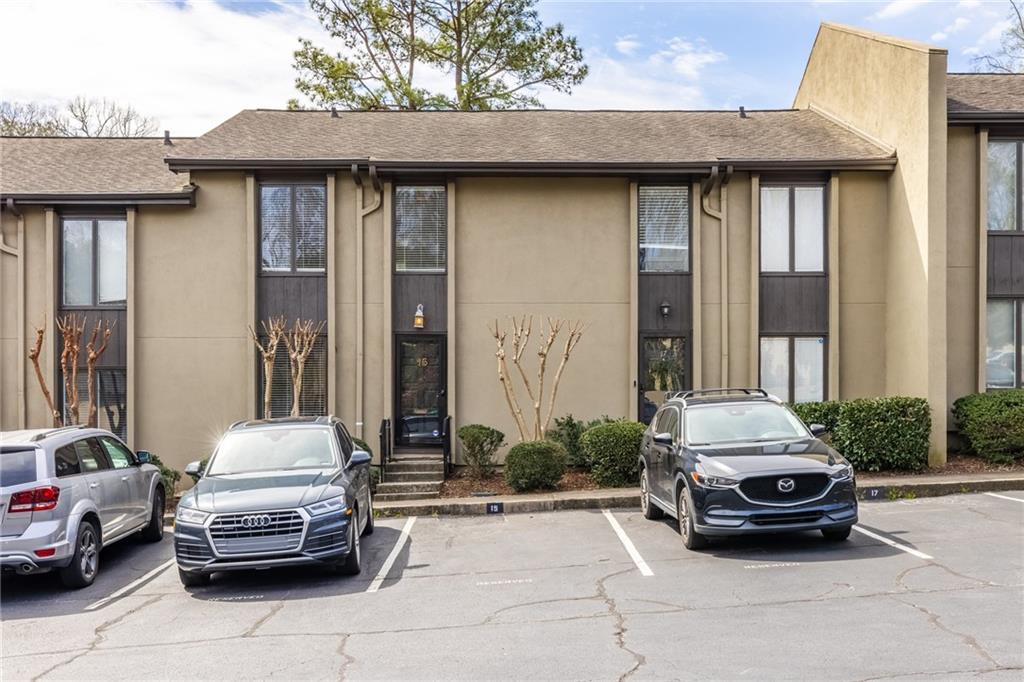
x=723, y=512
x=19, y=552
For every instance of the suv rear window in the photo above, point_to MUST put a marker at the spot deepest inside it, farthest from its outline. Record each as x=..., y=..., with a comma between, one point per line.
x=17, y=467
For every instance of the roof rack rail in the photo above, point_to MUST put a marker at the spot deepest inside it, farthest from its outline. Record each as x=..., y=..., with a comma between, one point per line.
x=51, y=432
x=237, y=424
x=702, y=392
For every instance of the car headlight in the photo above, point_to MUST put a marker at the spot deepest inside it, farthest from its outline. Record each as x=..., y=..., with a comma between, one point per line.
x=706, y=481
x=333, y=504
x=843, y=474
x=189, y=515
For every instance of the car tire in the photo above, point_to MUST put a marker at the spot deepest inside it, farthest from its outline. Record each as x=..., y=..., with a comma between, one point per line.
x=352, y=564
x=85, y=562
x=836, y=534
x=368, y=528
x=154, y=532
x=684, y=506
x=190, y=579
x=647, y=506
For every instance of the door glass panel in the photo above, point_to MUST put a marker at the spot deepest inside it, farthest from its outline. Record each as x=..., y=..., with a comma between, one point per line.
x=809, y=229
x=1002, y=185
x=118, y=454
x=1001, y=350
x=77, y=256
x=663, y=371
x=111, y=261
x=775, y=229
x=775, y=366
x=809, y=370
x=421, y=380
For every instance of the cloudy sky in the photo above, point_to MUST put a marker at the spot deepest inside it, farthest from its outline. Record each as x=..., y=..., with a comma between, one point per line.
x=193, y=63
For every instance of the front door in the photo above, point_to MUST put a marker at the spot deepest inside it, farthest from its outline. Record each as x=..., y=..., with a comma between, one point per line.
x=420, y=388
x=664, y=369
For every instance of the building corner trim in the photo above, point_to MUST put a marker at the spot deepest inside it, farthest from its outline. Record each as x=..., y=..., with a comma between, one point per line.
x=130, y=366
x=982, y=258
x=633, y=403
x=833, y=287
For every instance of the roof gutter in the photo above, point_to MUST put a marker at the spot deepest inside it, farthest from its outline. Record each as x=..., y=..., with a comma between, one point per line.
x=977, y=117
x=183, y=198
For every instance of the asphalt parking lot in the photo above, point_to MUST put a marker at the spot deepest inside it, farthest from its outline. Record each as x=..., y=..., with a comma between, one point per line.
x=933, y=589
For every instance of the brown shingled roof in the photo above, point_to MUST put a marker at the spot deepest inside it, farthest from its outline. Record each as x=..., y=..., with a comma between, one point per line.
x=539, y=137
x=91, y=168
x=984, y=94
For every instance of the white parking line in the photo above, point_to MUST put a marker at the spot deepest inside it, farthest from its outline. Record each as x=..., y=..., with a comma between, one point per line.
x=645, y=570
x=1005, y=497
x=902, y=548
x=390, y=561
x=131, y=586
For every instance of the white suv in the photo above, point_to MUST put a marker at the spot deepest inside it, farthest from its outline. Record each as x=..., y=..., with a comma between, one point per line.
x=66, y=493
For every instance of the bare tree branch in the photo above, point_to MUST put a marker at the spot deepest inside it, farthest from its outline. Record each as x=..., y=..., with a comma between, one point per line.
x=33, y=355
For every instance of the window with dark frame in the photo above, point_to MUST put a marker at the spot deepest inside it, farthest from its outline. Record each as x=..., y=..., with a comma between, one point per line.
x=1005, y=158
x=793, y=228
x=94, y=262
x=293, y=227
x=663, y=223
x=793, y=367
x=421, y=228
x=1004, y=347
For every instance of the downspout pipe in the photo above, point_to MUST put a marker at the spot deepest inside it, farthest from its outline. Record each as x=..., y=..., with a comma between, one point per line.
x=722, y=215
x=361, y=212
x=19, y=254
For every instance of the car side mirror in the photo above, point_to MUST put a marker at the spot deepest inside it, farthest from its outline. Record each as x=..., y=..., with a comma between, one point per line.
x=194, y=470
x=818, y=430
x=359, y=457
x=663, y=438
x=144, y=456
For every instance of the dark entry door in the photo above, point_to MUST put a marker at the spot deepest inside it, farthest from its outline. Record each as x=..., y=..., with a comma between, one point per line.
x=421, y=383
x=664, y=369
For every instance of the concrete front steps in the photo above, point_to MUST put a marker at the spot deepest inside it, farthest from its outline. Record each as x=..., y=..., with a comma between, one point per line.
x=412, y=476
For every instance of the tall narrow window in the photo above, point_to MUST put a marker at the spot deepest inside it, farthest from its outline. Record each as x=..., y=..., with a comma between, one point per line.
x=1003, y=348
x=664, y=227
x=1004, y=185
x=793, y=367
x=793, y=229
x=293, y=228
x=94, y=262
x=421, y=229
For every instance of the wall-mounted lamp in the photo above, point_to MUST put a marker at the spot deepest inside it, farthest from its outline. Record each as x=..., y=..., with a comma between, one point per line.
x=664, y=308
x=418, y=319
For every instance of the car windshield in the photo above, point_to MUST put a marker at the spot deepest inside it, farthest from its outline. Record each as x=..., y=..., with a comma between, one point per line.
x=741, y=423
x=273, y=449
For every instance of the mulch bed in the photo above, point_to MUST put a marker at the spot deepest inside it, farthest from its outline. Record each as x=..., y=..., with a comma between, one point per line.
x=958, y=464
x=463, y=485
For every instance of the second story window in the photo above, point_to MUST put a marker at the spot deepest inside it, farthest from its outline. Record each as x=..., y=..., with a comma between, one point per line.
x=293, y=228
x=1004, y=185
x=421, y=228
x=94, y=262
x=793, y=229
x=664, y=228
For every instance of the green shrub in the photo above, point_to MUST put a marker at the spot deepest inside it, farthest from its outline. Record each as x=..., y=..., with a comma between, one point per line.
x=884, y=433
x=568, y=430
x=824, y=413
x=170, y=477
x=479, y=445
x=535, y=464
x=993, y=424
x=614, y=448
x=362, y=445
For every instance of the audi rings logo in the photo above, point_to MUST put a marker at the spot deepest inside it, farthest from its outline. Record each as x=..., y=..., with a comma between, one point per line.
x=785, y=485
x=256, y=521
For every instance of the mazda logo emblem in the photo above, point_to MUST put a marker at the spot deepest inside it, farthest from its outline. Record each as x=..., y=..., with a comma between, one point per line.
x=256, y=521
x=786, y=485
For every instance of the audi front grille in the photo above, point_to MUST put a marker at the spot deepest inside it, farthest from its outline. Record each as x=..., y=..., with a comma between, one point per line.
x=257, y=532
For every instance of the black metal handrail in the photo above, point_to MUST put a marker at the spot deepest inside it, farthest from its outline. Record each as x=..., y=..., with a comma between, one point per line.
x=446, y=445
x=384, y=434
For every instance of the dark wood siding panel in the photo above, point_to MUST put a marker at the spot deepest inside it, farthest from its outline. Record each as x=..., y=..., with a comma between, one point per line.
x=794, y=304
x=293, y=296
x=675, y=289
x=116, y=354
x=410, y=290
x=1006, y=264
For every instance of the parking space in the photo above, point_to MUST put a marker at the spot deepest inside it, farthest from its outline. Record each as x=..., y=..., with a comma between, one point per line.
x=560, y=596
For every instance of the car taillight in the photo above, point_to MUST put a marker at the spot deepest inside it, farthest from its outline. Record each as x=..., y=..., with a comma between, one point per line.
x=37, y=499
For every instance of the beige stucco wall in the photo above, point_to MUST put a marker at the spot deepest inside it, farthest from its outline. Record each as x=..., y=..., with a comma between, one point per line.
x=962, y=277
x=894, y=91
x=549, y=248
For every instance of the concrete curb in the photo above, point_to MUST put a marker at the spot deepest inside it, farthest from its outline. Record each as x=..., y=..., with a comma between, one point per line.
x=889, y=489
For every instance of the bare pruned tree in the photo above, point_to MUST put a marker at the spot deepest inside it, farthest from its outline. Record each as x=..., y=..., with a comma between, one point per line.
x=29, y=119
x=1010, y=56
x=80, y=117
x=71, y=327
x=92, y=356
x=521, y=330
x=273, y=330
x=33, y=355
x=300, y=341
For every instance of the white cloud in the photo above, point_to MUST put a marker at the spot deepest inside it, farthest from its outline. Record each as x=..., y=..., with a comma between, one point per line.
x=190, y=65
x=627, y=45
x=959, y=24
x=687, y=58
x=968, y=4
x=898, y=8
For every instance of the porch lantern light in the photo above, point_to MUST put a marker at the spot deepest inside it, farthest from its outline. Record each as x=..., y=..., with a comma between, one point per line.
x=664, y=308
x=418, y=319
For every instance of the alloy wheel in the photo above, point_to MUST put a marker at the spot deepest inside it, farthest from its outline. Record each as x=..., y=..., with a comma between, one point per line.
x=684, y=516
x=89, y=554
x=644, y=501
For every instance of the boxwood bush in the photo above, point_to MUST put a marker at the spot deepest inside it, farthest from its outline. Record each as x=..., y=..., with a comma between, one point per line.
x=535, y=464
x=568, y=430
x=993, y=424
x=614, y=449
x=479, y=445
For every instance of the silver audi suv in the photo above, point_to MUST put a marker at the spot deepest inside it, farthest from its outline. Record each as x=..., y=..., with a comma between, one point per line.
x=276, y=492
x=66, y=493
